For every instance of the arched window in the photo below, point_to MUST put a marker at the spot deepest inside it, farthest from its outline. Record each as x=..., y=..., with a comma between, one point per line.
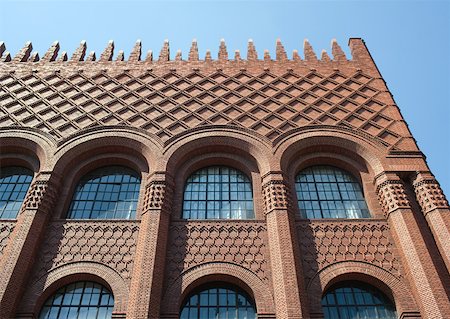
x=218, y=300
x=107, y=193
x=14, y=184
x=351, y=299
x=329, y=192
x=218, y=192
x=82, y=299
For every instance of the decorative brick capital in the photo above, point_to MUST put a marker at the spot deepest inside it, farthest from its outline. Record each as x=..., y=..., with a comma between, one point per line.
x=276, y=196
x=429, y=194
x=157, y=196
x=42, y=194
x=392, y=196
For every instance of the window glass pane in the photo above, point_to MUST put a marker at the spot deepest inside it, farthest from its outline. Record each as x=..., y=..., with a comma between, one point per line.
x=107, y=193
x=14, y=184
x=218, y=192
x=352, y=299
x=79, y=300
x=338, y=192
x=219, y=300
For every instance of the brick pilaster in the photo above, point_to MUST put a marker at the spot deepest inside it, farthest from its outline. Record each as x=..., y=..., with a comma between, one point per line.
x=18, y=257
x=288, y=285
x=427, y=286
x=436, y=210
x=148, y=272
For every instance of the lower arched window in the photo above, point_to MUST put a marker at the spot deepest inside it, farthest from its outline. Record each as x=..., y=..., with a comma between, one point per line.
x=218, y=300
x=352, y=299
x=80, y=300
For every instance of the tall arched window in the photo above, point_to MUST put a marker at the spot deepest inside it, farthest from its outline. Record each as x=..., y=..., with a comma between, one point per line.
x=218, y=300
x=329, y=192
x=218, y=192
x=110, y=192
x=79, y=300
x=14, y=184
x=353, y=299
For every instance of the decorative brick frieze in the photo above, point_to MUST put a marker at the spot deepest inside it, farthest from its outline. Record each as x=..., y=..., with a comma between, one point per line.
x=392, y=196
x=6, y=228
x=194, y=243
x=429, y=195
x=42, y=193
x=110, y=243
x=276, y=196
x=327, y=242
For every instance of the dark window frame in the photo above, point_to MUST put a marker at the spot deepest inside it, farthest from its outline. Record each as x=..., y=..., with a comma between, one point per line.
x=325, y=191
x=109, y=192
x=224, y=297
x=218, y=192
x=15, y=182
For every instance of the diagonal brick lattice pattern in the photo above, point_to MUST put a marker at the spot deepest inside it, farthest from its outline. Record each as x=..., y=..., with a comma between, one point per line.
x=168, y=104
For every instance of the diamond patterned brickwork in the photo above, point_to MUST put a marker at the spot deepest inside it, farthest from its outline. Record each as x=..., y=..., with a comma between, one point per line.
x=168, y=102
x=110, y=243
x=195, y=243
x=327, y=242
x=6, y=229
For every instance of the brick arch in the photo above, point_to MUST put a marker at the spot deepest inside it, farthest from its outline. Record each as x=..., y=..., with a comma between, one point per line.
x=31, y=148
x=246, y=143
x=392, y=286
x=69, y=273
x=120, y=140
x=92, y=149
x=356, y=146
x=218, y=271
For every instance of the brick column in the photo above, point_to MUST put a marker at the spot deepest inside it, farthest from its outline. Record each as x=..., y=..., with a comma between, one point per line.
x=426, y=284
x=148, y=272
x=287, y=274
x=18, y=257
x=436, y=210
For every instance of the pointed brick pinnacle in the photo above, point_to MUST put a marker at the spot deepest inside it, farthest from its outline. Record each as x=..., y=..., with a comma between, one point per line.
x=91, y=57
x=338, y=54
x=208, y=55
x=34, y=57
x=6, y=57
x=237, y=55
x=24, y=53
x=266, y=55
x=63, y=56
x=135, y=54
x=79, y=53
x=52, y=53
x=308, y=50
x=223, y=54
x=178, y=56
x=164, y=55
x=149, y=57
x=107, y=55
x=295, y=55
x=325, y=57
x=193, y=53
x=2, y=48
x=280, y=52
x=252, y=55
x=120, y=56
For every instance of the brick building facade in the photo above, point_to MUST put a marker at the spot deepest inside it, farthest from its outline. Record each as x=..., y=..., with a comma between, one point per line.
x=291, y=133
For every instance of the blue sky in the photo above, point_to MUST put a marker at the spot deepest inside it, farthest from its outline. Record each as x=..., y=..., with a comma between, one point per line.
x=409, y=40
